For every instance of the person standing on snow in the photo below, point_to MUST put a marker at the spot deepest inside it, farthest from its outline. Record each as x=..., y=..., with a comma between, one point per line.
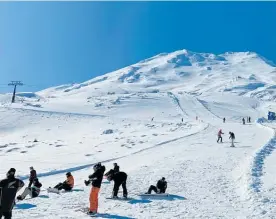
x=223, y=120
x=220, y=133
x=8, y=189
x=232, y=137
x=119, y=179
x=243, y=121
x=96, y=180
x=249, y=119
x=33, y=191
x=32, y=176
x=160, y=187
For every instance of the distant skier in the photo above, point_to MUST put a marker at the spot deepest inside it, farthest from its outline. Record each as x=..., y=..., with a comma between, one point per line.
x=119, y=179
x=8, y=189
x=67, y=185
x=223, y=120
x=249, y=119
x=182, y=120
x=220, y=133
x=96, y=180
x=152, y=119
x=243, y=121
x=160, y=187
x=32, y=176
x=232, y=137
x=31, y=191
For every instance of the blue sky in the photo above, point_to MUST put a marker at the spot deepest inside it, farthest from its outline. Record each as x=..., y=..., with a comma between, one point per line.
x=51, y=43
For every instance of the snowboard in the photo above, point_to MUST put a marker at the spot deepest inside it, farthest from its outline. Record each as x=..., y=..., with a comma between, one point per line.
x=155, y=195
x=120, y=198
x=52, y=190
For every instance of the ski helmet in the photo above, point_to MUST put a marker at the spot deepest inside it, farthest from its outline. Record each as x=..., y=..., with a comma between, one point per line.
x=68, y=174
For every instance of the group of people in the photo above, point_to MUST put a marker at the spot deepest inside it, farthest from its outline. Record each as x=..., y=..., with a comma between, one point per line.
x=231, y=137
x=11, y=185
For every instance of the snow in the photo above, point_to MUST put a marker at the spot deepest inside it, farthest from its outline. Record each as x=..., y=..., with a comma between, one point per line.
x=157, y=118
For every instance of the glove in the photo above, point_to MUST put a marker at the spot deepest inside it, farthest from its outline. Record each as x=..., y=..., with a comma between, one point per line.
x=86, y=182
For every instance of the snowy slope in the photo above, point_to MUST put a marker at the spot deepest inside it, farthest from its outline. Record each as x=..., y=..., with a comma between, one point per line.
x=159, y=117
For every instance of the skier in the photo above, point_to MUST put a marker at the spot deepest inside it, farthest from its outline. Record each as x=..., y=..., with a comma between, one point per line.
x=67, y=185
x=182, y=120
x=33, y=191
x=160, y=187
x=249, y=119
x=96, y=180
x=152, y=119
x=116, y=169
x=223, y=120
x=220, y=133
x=32, y=176
x=119, y=179
x=243, y=121
x=8, y=189
x=232, y=137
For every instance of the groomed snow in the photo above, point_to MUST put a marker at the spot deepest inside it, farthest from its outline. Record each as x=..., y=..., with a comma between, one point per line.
x=159, y=117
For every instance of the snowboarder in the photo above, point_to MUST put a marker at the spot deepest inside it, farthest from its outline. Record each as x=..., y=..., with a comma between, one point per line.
x=116, y=169
x=220, y=133
x=160, y=187
x=243, y=121
x=67, y=185
x=223, y=120
x=33, y=191
x=32, y=176
x=119, y=179
x=232, y=137
x=8, y=189
x=96, y=180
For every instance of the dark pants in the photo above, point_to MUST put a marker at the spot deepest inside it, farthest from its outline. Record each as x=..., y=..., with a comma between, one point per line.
x=219, y=138
x=116, y=189
x=64, y=186
x=6, y=215
x=154, y=188
x=30, y=183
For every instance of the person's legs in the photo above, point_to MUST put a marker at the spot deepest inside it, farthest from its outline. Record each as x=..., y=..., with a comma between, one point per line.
x=94, y=193
x=67, y=187
x=7, y=215
x=116, y=189
x=124, y=189
x=59, y=186
x=27, y=191
x=152, y=188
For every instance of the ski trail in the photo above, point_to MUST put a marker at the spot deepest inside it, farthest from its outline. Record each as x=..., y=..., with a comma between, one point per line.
x=176, y=102
x=81, y=167
x=203, y=103
x=258, y=163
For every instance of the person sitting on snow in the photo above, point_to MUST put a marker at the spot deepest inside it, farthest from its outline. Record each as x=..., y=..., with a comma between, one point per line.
x=160, y=187
x=31, y=191
x=119, y=179
x=68, y=184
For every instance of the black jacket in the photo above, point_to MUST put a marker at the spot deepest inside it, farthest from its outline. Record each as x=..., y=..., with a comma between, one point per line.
x=116, y=169
x=162, y=186
x=8, y=189
x=119, y=177
x=97, y=177
x=32, y=175
x=232, y=135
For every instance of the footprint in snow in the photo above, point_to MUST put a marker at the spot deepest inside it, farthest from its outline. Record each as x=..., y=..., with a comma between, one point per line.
x=23, y=152
x=12, y=143
x=13, y=149
x=30, y=146
x=88, y=155
x=4, y=146
x=59, y=145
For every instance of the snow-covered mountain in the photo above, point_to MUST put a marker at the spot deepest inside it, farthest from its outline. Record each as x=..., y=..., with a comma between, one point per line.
x=159, y=117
